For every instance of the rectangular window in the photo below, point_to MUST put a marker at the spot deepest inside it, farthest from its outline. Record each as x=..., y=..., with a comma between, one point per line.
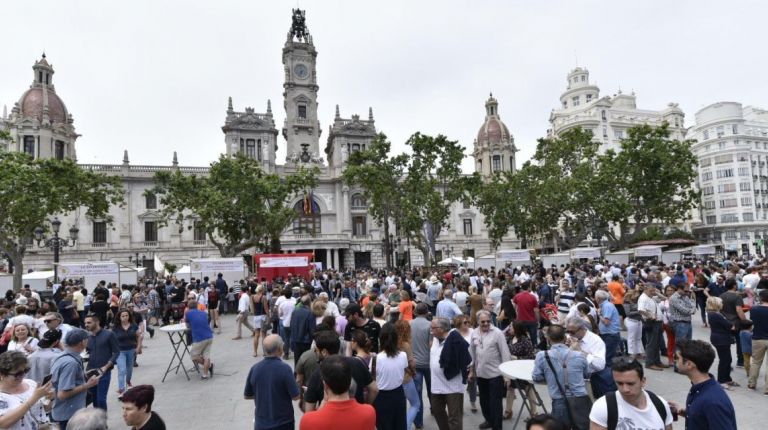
x=742, y=156
x=709, y=204
x=603, y=115
x=359, y=225
x=258, y=150
x=250, y=148
x=711, y=219
x=467, y=227
x=706, y=134
x=589, y=98
x=728, y=203
x=745, y=186
x=150, y=200
x=708, y=190
x=748, y=216
x=729, y=218
x=199, y=232
x=99, y=232
x=302, y=111
x=735, y=128
x=746, y=201
x=726, y=188
x=725, y=173
x=150, y=231
x=730, y=234
x=704, y=162
x=744, y=171
x=59, y=150
x=720, y=131
x=575, y=101
x=618, y=134
x=496, y=163
x=355, y=147
x=722, y=159
x=605, y=131
x=706, y=176
x=29, y=145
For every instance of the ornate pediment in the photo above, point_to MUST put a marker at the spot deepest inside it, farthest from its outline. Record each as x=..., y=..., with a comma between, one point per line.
x=357, y=127
x=150, y=215
x=249, y=120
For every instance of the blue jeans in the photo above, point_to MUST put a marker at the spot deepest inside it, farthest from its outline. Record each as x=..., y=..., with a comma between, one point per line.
x=560, y=410
x=285, y=333
x=99, y=392
x=125, y=368
x=602, y=382
x=422, y=374
x=414, y=403
x=612, y=341
x=533, y=330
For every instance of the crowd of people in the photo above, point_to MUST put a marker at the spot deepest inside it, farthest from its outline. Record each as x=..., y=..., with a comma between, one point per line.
x=379, y=349
x=58, y=353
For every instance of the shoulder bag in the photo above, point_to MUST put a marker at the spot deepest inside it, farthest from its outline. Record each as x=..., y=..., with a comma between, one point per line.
x=578, y=407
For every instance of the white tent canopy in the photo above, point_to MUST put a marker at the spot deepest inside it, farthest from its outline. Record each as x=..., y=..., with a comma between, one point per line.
x=648, y=251
x=704, y=250
x=32, y=276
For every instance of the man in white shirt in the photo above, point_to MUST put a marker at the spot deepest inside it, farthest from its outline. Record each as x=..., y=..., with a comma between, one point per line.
x=633, y=406
x=330, y=307
x=652, y=324
x=447, y=394
x=243, y=311
x=284, y=312
x=54, y=320
x=752, y=279
x=583, y=340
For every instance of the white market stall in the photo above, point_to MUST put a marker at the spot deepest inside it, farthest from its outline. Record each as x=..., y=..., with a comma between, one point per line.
x=232, y=269
x=517, y=257
x=648, y=252
x=38, y=280
x=485, y=262
x=670, y=256
x=586, y=253
x=558, y=259
x=127, y=276
x=621, y=257
x=704, y=250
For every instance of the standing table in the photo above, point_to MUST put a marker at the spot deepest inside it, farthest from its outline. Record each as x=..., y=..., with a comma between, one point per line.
x=177, y=335
x=522, y=370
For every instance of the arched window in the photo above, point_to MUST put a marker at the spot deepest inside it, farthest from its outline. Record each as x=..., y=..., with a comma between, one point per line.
x=358, y=202
x=307, y=219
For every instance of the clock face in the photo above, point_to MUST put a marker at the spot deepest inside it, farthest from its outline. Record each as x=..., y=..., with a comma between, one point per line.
x=301, y=71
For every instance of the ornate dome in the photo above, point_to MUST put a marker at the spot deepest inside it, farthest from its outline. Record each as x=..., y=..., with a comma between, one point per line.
x=493, y=129
x=41, y=96
x=33, y=101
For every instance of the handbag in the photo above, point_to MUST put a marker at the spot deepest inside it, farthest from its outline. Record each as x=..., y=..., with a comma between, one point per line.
x=578, y=407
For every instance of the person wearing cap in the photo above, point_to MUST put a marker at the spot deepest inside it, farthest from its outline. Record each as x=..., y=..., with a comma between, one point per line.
x=68, y=378
x=137, y=409
x=433, y=293
x=356, y=321
x=41, y=360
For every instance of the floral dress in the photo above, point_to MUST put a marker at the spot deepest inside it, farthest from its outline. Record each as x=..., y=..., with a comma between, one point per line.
x=35, y=417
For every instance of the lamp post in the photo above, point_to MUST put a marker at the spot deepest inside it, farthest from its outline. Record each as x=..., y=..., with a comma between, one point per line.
x=56, y=243
x=136, y=260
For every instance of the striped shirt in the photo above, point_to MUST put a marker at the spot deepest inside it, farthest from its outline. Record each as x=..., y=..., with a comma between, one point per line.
x=565, y=301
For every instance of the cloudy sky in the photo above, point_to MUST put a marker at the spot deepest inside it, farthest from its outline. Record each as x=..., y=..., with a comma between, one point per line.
x=153, y=76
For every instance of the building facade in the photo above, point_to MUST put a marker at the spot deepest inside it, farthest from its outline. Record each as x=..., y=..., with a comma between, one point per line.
x=607, y=117
x=338, y=230
x=732, y=150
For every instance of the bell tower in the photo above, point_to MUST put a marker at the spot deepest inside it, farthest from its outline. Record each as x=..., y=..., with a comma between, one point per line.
x=301, y=129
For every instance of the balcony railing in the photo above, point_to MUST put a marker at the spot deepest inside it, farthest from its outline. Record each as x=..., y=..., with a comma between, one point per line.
x=99, y=245
x=151, y=244
x=199, y=242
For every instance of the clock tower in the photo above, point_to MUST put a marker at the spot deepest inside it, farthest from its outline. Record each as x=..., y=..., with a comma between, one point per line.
x=301, y=129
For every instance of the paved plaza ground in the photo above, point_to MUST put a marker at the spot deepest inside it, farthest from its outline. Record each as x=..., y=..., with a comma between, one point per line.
x=219, y=403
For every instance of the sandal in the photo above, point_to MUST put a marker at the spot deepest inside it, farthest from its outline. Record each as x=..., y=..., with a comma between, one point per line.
x=507, y=415
x=733, y=384
x=473, y=407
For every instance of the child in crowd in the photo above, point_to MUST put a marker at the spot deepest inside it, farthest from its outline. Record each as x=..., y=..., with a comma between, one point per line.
x=745, y=337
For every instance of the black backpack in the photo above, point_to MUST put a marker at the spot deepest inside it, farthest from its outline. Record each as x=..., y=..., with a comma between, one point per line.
x=613, y=408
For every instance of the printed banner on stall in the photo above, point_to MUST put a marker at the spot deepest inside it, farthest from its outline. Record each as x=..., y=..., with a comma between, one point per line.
x=648, y=252
x=515, y=255
x=704, y=250
x=73, y=270
x=585, y=253
x=217, y=265
x=287, y=261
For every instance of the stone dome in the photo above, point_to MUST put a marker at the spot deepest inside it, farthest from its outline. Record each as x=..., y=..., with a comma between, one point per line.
x=493, y=129
x=34, y=99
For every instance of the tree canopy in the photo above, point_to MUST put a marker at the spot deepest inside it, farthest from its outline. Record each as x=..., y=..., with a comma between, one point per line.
x=238, y=205
x=570, y=191
x=33, y=190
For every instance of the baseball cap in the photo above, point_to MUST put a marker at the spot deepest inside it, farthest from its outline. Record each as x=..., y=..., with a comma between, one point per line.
x=50, y=338
x=352, y=309
x=75, y=336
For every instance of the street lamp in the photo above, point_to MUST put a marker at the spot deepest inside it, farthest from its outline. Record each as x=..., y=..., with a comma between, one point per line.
x=56, y=243
x=136, y=259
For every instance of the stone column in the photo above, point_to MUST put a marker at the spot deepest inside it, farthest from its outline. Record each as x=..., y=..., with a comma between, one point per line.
x=346, y=223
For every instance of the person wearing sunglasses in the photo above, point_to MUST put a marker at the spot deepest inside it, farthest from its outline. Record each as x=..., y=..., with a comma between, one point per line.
x=21, y=399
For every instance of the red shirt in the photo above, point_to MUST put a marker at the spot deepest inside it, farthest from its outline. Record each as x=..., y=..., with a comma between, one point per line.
x=526, y=303
x=345, y=415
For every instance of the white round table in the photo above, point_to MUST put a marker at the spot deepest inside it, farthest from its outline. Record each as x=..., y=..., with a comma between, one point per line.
x=177, y=335
x=522, y=370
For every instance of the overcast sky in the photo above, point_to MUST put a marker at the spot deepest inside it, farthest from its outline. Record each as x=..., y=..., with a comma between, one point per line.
x=153, y=76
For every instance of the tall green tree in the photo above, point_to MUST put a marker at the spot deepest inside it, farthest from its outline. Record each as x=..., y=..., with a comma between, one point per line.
x=238, y=205
x=433, y=183
x=33, y=190
x=379, y=177
x=649, y=181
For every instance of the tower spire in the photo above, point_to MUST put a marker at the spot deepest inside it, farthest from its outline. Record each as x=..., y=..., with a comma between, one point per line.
x=125, y=156
x=269, y=107
x=370, y=114
x=338, y=116
x=229, y=105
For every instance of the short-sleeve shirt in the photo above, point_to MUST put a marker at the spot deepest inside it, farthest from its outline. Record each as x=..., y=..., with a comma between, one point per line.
x=630, y=416
x=29, y=420
x=126, y=338
x=390, y=371
x=273, y=387
x=526, y=303
x=371, y=328
x=617, y=292
x=344, y=415
x=360, y=376
x=731, y=300
x=66, y=374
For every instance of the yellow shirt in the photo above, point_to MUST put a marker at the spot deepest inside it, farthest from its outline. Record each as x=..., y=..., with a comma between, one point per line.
x=79, y=300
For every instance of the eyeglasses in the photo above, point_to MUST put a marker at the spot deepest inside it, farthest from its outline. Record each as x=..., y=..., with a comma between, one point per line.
x=485, y=322
x=465, y=323
x=20, y=374
x=573, y=331
x=49, y=321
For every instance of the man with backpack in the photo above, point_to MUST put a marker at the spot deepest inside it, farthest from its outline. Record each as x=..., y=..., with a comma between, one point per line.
x=630, y=406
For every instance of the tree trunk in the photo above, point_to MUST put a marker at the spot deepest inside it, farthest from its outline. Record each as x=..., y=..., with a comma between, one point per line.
x=18, y=272
x=275, y=245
